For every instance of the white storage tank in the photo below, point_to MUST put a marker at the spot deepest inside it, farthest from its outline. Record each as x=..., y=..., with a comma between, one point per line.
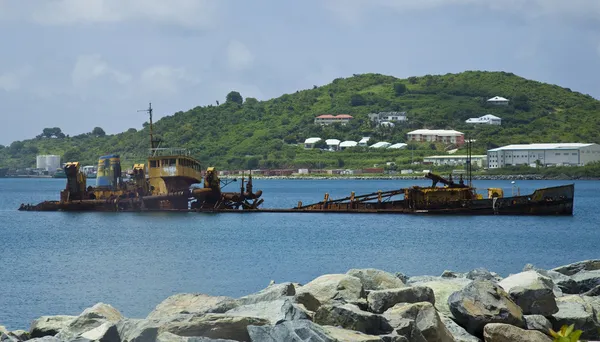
x=48, y=162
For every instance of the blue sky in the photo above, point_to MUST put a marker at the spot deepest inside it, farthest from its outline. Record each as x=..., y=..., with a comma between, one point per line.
x=77, y=64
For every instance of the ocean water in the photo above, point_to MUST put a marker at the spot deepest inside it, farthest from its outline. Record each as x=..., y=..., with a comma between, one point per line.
x=60, y=263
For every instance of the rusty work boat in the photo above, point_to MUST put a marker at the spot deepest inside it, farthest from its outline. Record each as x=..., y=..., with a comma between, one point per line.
x=164, y=183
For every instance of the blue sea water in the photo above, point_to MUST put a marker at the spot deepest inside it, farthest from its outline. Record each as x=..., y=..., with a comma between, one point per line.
x=60, y=263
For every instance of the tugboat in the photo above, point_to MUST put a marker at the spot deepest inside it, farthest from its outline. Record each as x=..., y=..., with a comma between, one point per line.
x=164, y=183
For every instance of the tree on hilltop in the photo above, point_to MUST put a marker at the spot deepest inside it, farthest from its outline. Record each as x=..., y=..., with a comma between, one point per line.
x=234, y=97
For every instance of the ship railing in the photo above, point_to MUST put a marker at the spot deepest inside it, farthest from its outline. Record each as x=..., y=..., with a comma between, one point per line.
x=168, y=151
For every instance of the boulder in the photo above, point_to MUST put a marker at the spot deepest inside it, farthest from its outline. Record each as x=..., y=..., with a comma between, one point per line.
x=422, y=316
x=106, y=332
x=293, y=331
x=573, y=309
x=593, y=292
x=89, y=319
x=339, y=334
x=422, y=279
x=458, y=332
x=571, y=269
x=213, y=326
x=442, y=289
x=273, y=311
x=483, y=302
x=169, y=337
x=403, y=277
x=196, y=303
x=483, y=274
x=499, y=332
x=49, y=325
x=538, y=322
x=8, y=337
x=532, y=291
x=329, y=288
x=45, y=339
x=586, y=280
x=380, y=301
x=21, y=335
x=373, y=279
x=349, y=316
x=272, y=292
x=562, y=283
x=138, y=330
x=452, y=274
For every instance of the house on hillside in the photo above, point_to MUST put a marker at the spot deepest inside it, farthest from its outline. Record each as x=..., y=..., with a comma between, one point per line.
x=387, y=117
x=381, y=144
x=333, y=144
x=348, y=143
x=310, y=142
x=364, y=141
x=487, y=119
x=498, y=101
x=437, y=135
x=398, y=146
x=328, y=119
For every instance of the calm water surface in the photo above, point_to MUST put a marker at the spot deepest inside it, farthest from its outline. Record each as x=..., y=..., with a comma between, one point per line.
x=61, y=263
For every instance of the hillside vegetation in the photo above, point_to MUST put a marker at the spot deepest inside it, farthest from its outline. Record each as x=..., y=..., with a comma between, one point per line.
x=246, y=133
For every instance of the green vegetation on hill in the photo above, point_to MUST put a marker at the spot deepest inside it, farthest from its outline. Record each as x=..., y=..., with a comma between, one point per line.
x=246, y=133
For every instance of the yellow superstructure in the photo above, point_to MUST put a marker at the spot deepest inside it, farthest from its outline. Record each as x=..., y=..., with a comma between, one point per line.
x=172, y=171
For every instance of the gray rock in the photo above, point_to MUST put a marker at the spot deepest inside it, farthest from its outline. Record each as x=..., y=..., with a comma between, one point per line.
x=498, y=332
x=562, y=283
x=195, y=303
x=273, y=311
x=451, y=274
x=571, y=269
x=21, y=335
x=373, y=279
x=338, y=334
x=586, y=280
x=292, y=331
x=483, y=302
x=443, y=288
x=106, y=332
x=532, y=291
x=458, y=333
x=593, y=292
x=214, y=326
x=4, y=337
x=573, y=309
x=349, y=316
x=46, y=338
x=170, y=337
x=405, y=330
x=273, y=292
x=403, y=277
x=89, y=319
x=424, y=317
x=49, y=325
x=483, y=274
x=538, y=322
x=422, y=279
x=380, y=301
x=329, y=288
x=138, y=330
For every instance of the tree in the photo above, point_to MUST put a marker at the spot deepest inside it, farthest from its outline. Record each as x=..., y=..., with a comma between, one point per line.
x=234, y=97
x=53, y=132
x=99, y=132
x=399, y=88
x=131, y=130
x=357, y=100
x=412, y=80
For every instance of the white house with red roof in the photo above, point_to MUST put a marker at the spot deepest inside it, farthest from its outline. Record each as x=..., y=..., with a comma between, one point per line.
x=328, y=119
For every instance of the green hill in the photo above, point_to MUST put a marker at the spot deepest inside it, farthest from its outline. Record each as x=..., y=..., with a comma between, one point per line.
x=255, y=133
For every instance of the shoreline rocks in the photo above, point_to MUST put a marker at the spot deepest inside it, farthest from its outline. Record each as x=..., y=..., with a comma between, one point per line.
x=363, y=305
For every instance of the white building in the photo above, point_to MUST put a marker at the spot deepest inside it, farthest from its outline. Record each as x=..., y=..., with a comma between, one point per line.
x=498, y=101
x=398, y=146
x=488, y=119
x=310, y=142
x=381, y=144
x=575, y=154
x=437, y=135
x=328, y=119
x=333, y=144
x=48, y=162
x=364, y=141
x=389, y=117
x=347, y=143
x=479, y=160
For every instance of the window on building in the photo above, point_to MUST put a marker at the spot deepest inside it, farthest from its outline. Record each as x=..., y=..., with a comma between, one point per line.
x=153, y=163
x=574, y=154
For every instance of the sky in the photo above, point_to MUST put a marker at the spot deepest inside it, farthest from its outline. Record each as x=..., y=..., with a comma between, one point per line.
x=78, y=64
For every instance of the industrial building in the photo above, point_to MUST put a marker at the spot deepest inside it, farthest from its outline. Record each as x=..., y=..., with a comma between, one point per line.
x=48, y=162
x=479, y=160
x=561, y=154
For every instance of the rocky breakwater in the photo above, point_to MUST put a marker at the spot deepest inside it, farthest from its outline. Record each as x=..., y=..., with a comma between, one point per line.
x=361, y=305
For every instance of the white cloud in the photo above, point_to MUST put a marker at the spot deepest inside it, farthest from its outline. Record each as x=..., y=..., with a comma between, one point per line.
x=239, y=57
x=186, y=13
x=166, y=79
x=352, y=10
x=12, y=80
x=89, y=68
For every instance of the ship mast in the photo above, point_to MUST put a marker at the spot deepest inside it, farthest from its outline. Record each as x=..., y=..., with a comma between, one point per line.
x=149, y=111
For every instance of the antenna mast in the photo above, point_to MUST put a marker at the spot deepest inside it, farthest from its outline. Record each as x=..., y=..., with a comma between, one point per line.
x=149, y=111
